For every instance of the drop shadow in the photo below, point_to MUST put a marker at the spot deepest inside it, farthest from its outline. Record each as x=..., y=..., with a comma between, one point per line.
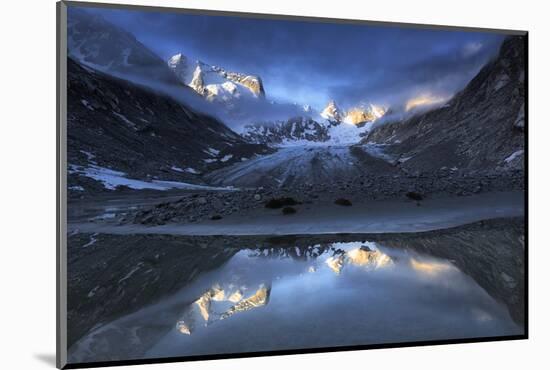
x=46, y=358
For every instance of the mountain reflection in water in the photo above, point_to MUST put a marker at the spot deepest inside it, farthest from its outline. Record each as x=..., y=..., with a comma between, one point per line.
x=206, y=305
x=328, y=294
x=368, y=257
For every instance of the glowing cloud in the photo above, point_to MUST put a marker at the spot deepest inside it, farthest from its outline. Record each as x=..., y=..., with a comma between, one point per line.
x=429, y=268
x=424, y=100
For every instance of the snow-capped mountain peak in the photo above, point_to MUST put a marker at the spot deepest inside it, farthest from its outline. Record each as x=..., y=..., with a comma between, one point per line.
x=361, y=114
x=332, y=112
x=197, y=80
x=294, y=130
x=179, y=64
x=335, y=128
x=213, y=82
x=364, y=114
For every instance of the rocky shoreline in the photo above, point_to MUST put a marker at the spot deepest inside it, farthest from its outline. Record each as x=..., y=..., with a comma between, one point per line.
x=203, y=205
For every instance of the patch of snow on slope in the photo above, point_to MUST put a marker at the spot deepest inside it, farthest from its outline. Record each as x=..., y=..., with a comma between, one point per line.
x=111, y=179
x=513, y=156
x=89, y=156
x=192, y=171
x=132, y=271
x=226, y=158
x=188, y=170
x=93, y=240
x=126, y=120
x=212, y=151
x=86, y=104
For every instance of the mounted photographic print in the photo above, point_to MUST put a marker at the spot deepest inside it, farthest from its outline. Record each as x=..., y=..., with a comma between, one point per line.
x=234, y=184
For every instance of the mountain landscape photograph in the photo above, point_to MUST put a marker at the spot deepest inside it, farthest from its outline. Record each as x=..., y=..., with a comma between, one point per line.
x=249, y=184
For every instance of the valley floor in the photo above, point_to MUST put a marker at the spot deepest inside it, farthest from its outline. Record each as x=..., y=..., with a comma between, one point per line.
x=375, y=216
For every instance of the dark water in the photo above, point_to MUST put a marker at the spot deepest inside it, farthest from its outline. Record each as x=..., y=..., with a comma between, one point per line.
x=328, y=294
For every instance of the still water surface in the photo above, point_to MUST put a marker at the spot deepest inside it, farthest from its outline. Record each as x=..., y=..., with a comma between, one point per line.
x=325, y=295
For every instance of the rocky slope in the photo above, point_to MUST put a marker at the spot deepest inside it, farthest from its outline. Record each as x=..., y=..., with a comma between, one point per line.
x=157, y=266
x=115, y=127
x=481, y=128
x=491, y=252
x=94, y=41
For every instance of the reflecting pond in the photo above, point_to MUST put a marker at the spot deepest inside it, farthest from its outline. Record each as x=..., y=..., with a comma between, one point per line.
x=338, y=293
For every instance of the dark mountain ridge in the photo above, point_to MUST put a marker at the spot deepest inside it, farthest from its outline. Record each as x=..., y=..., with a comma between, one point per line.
x=94, y=41
x=115, y=124
x=480, y=128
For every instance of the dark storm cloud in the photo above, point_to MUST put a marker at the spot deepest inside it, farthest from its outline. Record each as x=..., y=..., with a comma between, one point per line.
x=312, y=62
x=435, y=74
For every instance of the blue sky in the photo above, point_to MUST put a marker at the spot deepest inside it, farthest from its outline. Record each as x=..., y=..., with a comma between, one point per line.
x=310, y=62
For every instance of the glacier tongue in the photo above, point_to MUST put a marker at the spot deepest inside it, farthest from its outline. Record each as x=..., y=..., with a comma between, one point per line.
x=294, y=165
x=347, y=134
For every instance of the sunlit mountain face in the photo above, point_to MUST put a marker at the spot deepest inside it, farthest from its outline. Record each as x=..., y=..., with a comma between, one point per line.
x=218, y=303
x=238, y=293
x=213, y=82
x=364, y=114
x=366, y=257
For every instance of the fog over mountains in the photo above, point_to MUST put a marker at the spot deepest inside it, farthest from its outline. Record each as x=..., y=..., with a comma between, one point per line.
x=239, y=99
